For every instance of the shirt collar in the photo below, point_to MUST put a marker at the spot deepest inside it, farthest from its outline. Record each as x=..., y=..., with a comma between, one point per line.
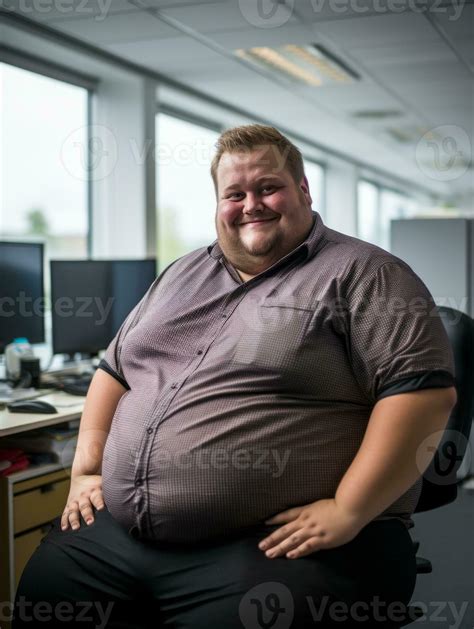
x=308, y=247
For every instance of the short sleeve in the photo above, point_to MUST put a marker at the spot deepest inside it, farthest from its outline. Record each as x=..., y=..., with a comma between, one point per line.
x=396, y=339
x=111, y=360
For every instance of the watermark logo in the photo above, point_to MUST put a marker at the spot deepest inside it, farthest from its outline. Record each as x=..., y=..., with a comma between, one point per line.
x=89, y=153
x=274, y=13
x=267, y=606
x=444, y=446
x=444, y=153
x=266, y=13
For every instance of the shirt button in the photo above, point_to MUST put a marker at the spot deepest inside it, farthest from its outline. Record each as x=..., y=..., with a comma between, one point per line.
x=199, y=351
x=139, y=482
x=149, y=430
x=224, y=316
x=174, y=385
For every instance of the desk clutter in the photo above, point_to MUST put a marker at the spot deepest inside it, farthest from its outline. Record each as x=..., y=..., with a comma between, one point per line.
x=54, y=444
x=12, y=460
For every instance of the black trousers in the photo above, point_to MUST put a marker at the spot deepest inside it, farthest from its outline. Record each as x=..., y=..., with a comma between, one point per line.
x=100, y=576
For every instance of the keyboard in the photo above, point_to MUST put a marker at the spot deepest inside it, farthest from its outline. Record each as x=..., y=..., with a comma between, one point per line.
x=74, y=385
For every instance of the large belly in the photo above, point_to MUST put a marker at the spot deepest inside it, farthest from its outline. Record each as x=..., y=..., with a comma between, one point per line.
x=205, y=479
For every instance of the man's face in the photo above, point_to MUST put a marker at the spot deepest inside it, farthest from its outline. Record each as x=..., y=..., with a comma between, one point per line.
x=262, y=213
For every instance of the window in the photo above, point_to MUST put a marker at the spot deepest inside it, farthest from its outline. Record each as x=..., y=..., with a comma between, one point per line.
x=315, y=174
x=43, y=168
x=186, y=201
x=368, y=212
x=376, y=208
x=393, y=205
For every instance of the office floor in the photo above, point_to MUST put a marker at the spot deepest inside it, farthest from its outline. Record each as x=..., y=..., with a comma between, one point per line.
x=446, y=537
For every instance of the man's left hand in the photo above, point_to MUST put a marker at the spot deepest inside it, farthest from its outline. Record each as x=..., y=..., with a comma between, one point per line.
x=320, y=525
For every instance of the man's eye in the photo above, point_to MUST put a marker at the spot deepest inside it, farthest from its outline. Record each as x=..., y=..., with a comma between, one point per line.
x=235, y=195
x=268, y=189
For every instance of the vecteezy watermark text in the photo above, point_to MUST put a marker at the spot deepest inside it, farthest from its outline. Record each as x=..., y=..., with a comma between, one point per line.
x=265, y=460
x=275, y=13
x=63, y=611
x=23, y=305
x=272, y=604
x=97, y=9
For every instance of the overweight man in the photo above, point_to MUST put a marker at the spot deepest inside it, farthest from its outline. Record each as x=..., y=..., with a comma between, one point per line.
x=250, y=452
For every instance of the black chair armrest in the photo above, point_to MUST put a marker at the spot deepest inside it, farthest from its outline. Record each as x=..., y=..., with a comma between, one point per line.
x=423, y=566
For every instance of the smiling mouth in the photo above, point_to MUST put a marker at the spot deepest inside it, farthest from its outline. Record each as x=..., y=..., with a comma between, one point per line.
x=267, y=220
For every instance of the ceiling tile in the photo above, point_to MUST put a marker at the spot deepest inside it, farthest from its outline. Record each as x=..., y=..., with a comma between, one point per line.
x=224, y=15
x=169, y=55
x=288, y=34
x=444, y=93
x=456, y=20
x=422, y=72
x=352, y=98
x=162, y=4
x=437, y=50
x=466, y=47
x=45, y=10
x=118, y=28
x=378, y=30
x=325, y=10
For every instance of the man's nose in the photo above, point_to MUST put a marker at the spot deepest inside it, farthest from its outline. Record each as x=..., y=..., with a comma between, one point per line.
x=253, y=203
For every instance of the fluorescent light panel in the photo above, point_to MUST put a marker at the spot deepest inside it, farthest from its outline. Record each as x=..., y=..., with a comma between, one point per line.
x=312, y=65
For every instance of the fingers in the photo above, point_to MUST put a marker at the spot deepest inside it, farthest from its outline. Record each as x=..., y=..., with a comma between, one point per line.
x=97, y=499
x=307, y=547
x=84, y=506
x=279, y=535
x=70, y=515
x=298, y=545
x=285, y=516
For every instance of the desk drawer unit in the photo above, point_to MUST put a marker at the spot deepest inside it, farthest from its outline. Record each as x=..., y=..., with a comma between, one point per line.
x=29, y=501
x=35, y=506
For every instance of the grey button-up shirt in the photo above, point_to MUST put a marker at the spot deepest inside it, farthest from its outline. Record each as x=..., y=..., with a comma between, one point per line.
x=246, y=398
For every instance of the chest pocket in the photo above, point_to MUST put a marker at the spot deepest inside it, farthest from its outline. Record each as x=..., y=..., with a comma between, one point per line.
x=273, y=336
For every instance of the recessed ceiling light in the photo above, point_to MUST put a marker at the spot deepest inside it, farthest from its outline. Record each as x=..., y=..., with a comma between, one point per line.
x=377, y=114
x=312, y=65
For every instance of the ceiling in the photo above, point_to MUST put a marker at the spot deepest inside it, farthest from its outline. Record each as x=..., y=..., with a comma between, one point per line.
x=411, y=113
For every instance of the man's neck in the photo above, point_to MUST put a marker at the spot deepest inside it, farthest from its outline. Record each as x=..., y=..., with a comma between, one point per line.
x=244, y=276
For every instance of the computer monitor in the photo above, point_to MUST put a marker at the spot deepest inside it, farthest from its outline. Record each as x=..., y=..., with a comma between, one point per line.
x=21, y=292
x=91, y=298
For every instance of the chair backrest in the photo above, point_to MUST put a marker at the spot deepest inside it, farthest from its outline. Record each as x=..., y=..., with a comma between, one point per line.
x=439, y=480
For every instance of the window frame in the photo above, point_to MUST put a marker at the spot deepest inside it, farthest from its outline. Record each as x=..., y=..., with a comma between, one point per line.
x=380, y=189
x=37, y=65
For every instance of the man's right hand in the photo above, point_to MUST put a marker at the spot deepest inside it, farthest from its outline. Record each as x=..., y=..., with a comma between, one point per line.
x=84, y=494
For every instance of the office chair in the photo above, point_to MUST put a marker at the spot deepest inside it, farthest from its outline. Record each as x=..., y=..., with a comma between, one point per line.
x=439, y=480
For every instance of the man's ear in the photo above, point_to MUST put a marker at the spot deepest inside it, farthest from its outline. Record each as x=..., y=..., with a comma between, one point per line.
x=304, y=185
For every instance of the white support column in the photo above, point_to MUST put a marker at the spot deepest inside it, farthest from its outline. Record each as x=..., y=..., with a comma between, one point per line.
x=122, y=167
x=341, y=197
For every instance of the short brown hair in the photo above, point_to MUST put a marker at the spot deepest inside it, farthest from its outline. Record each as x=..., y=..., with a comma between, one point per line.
x=253, y=136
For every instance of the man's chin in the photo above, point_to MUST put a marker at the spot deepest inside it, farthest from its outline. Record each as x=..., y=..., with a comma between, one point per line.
x=258, y=252
x=260, y=248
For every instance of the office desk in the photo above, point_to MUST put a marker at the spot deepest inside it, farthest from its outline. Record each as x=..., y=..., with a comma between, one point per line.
x=30, y=498
x=69, y=407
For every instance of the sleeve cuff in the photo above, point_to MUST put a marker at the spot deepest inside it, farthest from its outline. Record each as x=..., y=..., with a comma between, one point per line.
x=436, y=379
x=106, y=367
